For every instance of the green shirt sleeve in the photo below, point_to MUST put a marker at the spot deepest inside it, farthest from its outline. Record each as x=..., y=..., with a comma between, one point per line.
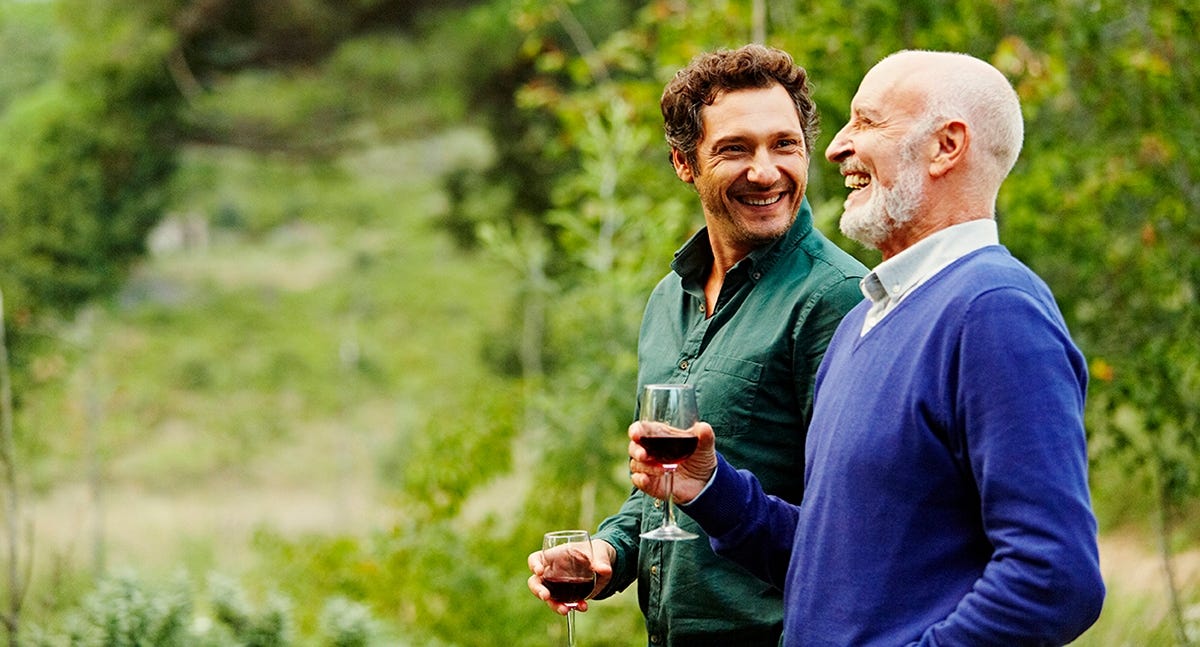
x=621, y=532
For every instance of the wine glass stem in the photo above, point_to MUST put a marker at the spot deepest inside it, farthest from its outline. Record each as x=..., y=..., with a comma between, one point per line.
x=571, y=627
x=670, y=517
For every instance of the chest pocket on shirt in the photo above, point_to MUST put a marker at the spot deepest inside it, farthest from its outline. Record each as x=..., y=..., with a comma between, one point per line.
x=727, y=391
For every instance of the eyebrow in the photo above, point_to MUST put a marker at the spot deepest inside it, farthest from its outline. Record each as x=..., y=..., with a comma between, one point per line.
x=867, y=112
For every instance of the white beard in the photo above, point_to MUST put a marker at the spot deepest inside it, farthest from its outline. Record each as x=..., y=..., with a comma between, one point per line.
x=890, y=209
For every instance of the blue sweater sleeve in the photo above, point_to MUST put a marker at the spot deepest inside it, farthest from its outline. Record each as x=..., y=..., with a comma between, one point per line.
x=745, y=524
x=1021, y=385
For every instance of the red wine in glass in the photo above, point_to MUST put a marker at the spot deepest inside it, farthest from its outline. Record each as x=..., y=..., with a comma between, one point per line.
x=668, y=449
x=570, y=590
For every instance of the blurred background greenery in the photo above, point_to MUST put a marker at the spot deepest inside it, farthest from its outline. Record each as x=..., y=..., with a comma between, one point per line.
x=318, y=313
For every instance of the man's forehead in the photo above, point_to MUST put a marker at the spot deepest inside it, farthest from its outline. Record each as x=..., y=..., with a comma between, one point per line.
x=771, y=103
x=888, y=89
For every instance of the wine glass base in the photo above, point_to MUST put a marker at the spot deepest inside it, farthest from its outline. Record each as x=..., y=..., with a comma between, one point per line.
x=669, y=533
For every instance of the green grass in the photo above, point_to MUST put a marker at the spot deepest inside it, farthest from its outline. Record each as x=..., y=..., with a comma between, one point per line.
x=266, y=380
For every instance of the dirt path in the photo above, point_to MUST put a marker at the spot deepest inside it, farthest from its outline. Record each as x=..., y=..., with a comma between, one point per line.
x=1132, y=564
x=158, y=532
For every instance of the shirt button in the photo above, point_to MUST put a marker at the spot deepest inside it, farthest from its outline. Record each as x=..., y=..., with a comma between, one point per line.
x=657, y=503
x=757, y=275
x=683, y=365
x=654, y=570
x=655, y=639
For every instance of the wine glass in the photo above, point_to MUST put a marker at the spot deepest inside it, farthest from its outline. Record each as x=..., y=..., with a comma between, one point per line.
x=567, y=561
x=673, y=405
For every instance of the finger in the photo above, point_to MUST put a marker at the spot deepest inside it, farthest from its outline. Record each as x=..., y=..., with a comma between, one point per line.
x=635, y=430
x=637, y=453
x=641, y=458
x=536, y=588
x=640, y=481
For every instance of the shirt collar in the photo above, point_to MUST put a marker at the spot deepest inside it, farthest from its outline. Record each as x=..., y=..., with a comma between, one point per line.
x=895, y=277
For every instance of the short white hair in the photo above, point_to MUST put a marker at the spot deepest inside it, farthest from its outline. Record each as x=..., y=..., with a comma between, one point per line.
x=981, y=96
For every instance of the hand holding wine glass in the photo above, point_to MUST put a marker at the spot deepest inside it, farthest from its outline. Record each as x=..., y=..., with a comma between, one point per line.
x=668, y=436
x=691, y=474
x=566, y=571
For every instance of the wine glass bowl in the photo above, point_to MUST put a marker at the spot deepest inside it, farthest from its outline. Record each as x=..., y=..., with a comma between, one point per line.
x=672, y=410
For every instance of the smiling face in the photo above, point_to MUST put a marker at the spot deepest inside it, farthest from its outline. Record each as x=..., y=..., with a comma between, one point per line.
x=881, y=154
x=751, y=169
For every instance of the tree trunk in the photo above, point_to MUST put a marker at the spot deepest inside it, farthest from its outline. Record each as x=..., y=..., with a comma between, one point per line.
x=1168, y=557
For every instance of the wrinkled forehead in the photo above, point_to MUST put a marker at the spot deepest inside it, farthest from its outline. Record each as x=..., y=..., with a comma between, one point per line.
x=895, y=85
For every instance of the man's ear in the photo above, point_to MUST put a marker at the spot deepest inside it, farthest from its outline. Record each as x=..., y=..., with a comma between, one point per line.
x=682, y=168
x=952, y=141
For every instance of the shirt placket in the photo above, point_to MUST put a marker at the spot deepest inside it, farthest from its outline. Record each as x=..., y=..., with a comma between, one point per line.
x=685, y=365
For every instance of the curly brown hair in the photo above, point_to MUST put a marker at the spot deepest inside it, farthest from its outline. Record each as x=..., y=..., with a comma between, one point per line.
x=710, y=74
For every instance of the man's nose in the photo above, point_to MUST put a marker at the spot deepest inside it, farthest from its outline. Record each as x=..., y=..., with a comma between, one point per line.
x=763, y=170
x=839, y=148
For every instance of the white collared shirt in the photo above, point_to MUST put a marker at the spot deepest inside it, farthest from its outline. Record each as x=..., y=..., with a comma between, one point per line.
x=896, y=278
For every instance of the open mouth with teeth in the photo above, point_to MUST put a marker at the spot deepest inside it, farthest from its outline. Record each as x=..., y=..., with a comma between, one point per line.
x=760, y=201
x=856, y=181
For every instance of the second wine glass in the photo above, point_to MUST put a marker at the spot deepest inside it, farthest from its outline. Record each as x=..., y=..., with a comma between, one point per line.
x=567, y=556
x=674, y=406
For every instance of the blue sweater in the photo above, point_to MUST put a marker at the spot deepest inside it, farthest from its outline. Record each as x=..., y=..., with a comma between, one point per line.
x=946, y=498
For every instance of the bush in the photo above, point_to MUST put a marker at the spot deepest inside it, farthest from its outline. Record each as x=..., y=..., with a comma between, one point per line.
x=124, y=611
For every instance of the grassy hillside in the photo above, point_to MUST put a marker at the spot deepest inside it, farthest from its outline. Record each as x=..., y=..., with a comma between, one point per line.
x=263, y=374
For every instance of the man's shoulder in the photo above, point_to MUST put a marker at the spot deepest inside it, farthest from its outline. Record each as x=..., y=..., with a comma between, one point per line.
x=828, y=258
x=993, y=267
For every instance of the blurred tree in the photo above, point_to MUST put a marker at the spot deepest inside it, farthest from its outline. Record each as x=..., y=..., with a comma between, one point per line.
x=94, y=115
x=84, y=171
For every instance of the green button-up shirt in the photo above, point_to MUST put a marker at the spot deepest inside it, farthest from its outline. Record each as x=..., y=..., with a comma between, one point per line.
x=753, y=363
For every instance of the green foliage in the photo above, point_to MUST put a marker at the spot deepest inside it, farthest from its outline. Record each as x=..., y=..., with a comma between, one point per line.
x=266, y=627
x=122, y=613
x=430, y=577
x=348, y=623
x=83, y=174
x=30, y=45
x=126, y=611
